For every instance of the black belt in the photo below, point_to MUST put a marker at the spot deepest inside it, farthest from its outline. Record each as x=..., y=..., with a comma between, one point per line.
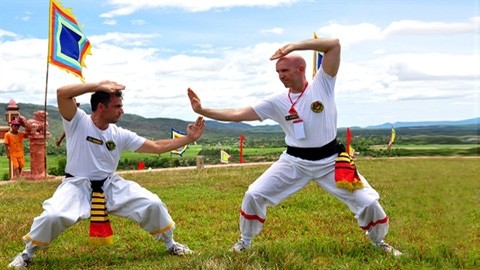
x=67, y=175
x=316, y=153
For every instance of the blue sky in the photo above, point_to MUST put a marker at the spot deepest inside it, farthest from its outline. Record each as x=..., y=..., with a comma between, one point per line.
x=405, y=60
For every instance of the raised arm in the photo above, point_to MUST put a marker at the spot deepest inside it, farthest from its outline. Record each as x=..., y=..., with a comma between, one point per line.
x=66, y=95
x=329, y=46
x=194, y=131
x=235, y=115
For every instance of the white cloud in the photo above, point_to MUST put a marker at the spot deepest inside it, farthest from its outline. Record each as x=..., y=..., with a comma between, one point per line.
x=124, y=39
x=415, y=77
x=25, y=18
x=126, y=7
x=350, y=34
x=110, y=22
x=4, y=33
x=23, y=62
x=275, y=31
x=138, y=22
x=435, y=66
x=413, y=27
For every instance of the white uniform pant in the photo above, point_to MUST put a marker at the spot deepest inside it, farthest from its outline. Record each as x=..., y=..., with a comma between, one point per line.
x=71, y=203
x=290, y=174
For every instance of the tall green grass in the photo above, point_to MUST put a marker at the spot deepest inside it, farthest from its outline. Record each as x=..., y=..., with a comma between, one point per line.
x=432, y=203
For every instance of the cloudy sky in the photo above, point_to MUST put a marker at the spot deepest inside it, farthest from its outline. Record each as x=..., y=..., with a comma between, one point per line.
x=404, y=60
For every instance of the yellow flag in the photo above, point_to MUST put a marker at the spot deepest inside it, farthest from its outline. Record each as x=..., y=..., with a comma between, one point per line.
x=224, y=156
x=179, y=151
x=392, y=138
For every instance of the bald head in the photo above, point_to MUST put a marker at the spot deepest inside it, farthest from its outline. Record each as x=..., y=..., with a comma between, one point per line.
x=293, y=60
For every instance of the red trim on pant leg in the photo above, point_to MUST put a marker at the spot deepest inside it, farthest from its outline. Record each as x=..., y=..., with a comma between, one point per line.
x=252, y=217
x=373, y=223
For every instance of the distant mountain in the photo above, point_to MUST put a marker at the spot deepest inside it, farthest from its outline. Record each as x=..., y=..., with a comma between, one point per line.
x=158, y=128
x=222, y=125
x=472, y=121
x=242, y=126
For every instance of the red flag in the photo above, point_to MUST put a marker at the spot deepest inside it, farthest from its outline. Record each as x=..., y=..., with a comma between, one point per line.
x=348, y=140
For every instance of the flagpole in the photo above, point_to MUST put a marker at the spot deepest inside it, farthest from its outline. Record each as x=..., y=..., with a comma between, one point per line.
x=45, y=96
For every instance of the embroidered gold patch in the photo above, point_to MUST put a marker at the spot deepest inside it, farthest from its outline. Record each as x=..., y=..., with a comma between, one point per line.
x=317, y=107
x=110, y=145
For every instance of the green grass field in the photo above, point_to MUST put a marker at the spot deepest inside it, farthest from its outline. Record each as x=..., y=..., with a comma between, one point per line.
x=432, y=204
x=256, y=153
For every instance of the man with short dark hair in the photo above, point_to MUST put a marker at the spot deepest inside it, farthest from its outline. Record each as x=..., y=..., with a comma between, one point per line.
x=91, y=188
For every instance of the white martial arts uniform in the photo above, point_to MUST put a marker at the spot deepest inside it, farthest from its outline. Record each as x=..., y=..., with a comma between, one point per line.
x=289, y=174
x=93, y=154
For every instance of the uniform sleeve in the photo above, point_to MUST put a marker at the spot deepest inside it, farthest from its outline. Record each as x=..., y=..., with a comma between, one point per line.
x=130, y=140
x=269, y=108
x=327, y=81
x=70, y=126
